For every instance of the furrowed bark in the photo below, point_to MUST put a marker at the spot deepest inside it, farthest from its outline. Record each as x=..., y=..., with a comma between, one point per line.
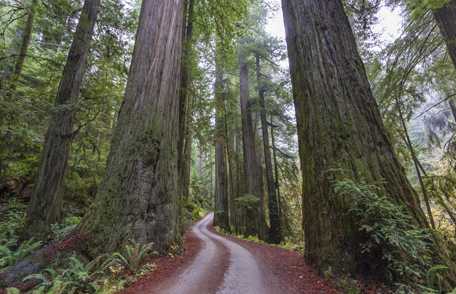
x=339, y=129
x=446, y=20
x=45, y=206
x=137, y=199
x=221, y=218
x=275, y=233
x=185, y=107
x=252, y=171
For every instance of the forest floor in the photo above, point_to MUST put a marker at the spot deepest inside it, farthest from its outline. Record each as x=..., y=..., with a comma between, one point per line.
x=213, y=263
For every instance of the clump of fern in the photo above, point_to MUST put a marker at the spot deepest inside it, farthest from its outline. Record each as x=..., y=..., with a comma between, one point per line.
x=406, y=249
x=133, y=256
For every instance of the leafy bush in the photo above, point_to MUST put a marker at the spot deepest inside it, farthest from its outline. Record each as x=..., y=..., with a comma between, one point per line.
x=405, y=248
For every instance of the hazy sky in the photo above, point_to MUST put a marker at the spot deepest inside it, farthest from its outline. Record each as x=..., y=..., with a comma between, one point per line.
x=388, y=27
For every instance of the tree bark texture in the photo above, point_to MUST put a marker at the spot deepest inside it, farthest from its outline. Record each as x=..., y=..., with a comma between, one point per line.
x=275, y=234
x=26, y=38
x=446, y=20
x=252, y=170
x=185, y=106
x=137, y=199
x=221, y=166
x=45, y=205
x=276, y=169
x=339, y=129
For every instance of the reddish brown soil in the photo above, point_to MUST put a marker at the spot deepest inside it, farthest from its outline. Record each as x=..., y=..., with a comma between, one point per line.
x=287, y=268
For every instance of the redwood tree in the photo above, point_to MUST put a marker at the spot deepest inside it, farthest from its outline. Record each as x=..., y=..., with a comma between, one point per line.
x=445, y=17
x=339, y=129
x=275, y=234
x=252, y=169
x=221, y=166
x=45, y=206
x=137, y=199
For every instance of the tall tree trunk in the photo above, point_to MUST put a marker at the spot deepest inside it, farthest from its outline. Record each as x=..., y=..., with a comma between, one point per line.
x=21, y=46
x=275, y=233
x=137, y=199
x=339, y=128
x=185, y=106
x=453, y=108
x=276, y=169
x=221, y=179
x=252, y=169
x=409, y=144
x=26, y=38
x=45, y=206
x=446, y=20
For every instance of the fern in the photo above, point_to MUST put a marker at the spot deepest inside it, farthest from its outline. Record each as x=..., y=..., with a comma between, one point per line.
x=389, y=227
x=132, y=256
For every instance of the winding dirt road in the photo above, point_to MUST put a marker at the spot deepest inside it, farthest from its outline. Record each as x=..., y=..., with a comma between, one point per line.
x=226, y=265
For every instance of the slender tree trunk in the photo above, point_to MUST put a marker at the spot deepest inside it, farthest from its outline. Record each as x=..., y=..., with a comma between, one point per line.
x=416, y=163
x=20, y=48
x=26, y=38
x=185, y=106
x=252, y=168
x=276, y=169
x=453, y=109
x=137, y=199
x=45, y=206
x=221, y=179
x=275, y=233
x=339, y=129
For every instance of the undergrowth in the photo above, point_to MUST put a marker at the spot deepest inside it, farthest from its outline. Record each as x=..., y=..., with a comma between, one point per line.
x=70, y=274
x=407, y=250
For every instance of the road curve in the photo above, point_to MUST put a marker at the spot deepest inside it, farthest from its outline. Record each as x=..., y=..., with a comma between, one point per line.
x=239, y=274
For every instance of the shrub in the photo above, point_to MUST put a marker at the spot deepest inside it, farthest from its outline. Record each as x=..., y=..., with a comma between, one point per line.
x=405, y=248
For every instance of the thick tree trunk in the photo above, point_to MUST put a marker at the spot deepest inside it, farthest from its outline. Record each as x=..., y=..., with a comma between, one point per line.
x=221, y=218
x=339, y=129
x=275, y=234
x=137, y=199
x=252, y=170
x=45, y=206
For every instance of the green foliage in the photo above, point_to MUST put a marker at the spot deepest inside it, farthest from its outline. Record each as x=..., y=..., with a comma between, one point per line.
x=133, y=256
x=60, y=231
x=9, y=256
x=247, y=201
x=12, y=222
x=12, y=291
x=406, y=249
x=77, y=276
x=419, y=7
x=10, y=227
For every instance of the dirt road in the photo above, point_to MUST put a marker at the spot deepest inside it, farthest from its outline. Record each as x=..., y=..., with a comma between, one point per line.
x=226, y=265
